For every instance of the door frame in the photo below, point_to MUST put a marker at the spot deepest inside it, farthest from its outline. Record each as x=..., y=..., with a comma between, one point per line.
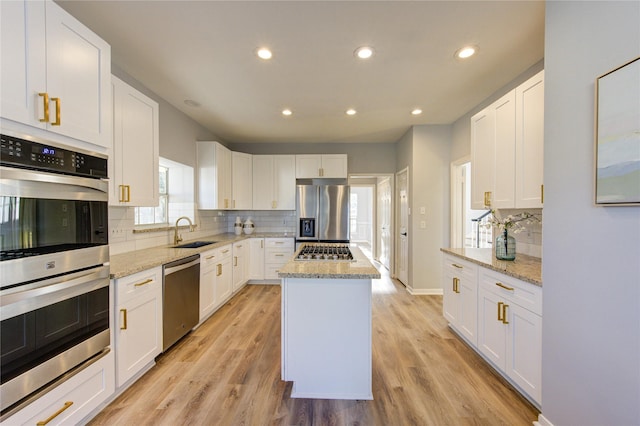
x=456, y=232
x=396, y=239
x=353, y=178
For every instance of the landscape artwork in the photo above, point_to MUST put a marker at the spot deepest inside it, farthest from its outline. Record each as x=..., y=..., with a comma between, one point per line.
x=618, y=136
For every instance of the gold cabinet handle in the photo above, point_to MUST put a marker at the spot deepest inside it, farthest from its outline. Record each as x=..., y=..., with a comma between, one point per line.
x=234, y=204
x=505, y=287
x=121, y=193
x=218, y=269
x=226, y=203
x=279, y=255
x=235, y=260
x=128, y=200
x=455, y=265
x=274, y=204
x=56, y=414
x=278, y=242
x=504, y=313
x=124, y=319
x=225, y=251
x=57, y=101
x=210, y=257
x=541, y=194
x=456, y=285
x=145, y=282
x=487, y=199
x=45, y=102
x=500, y=311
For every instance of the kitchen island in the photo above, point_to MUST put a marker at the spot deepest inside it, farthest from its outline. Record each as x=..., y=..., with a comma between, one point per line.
x=326, y=326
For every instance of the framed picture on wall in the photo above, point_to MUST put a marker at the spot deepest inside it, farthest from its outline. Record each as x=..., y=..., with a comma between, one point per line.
x=618, y=136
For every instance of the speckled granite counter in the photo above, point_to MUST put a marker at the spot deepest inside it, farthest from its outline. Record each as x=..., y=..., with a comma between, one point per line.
x=135, y=261
x=525, y=268
x=361, y=268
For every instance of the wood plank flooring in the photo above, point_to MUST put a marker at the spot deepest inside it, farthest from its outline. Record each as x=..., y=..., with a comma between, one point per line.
x=227, y=372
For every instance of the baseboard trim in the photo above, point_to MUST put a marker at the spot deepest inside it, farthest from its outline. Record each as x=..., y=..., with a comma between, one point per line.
x=425, y=291
x=542, y=421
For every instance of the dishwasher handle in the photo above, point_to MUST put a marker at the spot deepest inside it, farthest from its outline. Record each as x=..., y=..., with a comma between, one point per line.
x=179, y=265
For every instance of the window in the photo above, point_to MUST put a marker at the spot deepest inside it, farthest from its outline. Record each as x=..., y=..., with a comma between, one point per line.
x=159, y=214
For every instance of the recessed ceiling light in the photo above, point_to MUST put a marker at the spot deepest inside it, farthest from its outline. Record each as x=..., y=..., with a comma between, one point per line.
x=287, y=112
x=351, y=111
x=364, y=52
x=264, y=53
x=416, y=111
x=466, y=52
x=191, y=103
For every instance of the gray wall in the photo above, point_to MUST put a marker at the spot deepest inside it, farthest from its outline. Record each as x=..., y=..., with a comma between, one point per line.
x=363, y=157
x=178, y=133
x=591, y=273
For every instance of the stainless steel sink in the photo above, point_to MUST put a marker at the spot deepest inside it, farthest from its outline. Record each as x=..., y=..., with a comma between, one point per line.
x=195, y=244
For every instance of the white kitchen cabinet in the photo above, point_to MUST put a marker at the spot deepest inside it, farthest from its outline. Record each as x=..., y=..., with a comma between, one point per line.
x=134, y=156
x=55, y=72
x=274, y=182
x=493, y=155
x=506, y=149
x=214, y=176
x=256, y=259
x=309, y=166
x=241, y=181
x=138, y=322
x=278, y=251
x=239, y=265
x=215, y=279
x=530, y=142
x=224, y=275
x=510, y=329
x=460, y=301
x=74, y=401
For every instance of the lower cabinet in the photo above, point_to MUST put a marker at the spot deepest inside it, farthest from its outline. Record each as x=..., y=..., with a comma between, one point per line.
x=256, y=259
x=138, y=322
x=72, y=401
x=240, y=264
x=278, y=252
x=215, y=279
x=506, y=315
x=460, y=302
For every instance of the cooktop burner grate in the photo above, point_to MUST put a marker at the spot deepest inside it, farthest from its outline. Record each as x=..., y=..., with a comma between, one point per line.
x=325, y=252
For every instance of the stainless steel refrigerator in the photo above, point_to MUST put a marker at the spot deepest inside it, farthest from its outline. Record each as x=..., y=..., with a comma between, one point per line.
x=322, y=213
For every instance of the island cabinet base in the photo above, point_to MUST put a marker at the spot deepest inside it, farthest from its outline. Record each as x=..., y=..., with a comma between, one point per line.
x=326, y=337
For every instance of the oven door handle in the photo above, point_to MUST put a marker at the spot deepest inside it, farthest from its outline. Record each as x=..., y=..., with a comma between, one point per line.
x=17, y=301
x=35, y=184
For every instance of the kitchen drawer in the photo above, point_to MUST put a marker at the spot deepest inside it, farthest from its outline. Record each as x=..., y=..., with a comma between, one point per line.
x=528, y=296
x=279, y=243
x=459, y=268
x=271, y=271
x=73, y=400
x=277, y=256
x=209, y=259
x=132, y=286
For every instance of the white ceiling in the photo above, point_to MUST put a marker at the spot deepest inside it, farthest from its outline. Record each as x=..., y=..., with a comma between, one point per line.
x=204, y=51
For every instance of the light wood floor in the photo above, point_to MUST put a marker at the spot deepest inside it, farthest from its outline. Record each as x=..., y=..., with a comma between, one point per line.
x=227, y=372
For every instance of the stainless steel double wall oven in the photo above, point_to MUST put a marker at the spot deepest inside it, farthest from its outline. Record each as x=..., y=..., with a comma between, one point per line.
x=54, y=265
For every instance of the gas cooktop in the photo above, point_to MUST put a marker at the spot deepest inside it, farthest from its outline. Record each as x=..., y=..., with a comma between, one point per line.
x=326, y=252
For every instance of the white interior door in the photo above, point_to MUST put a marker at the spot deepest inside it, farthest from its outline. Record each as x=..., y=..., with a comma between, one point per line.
x=384, y=223
x=402, y=260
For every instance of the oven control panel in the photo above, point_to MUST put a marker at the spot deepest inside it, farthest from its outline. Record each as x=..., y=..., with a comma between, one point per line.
x=37, y=155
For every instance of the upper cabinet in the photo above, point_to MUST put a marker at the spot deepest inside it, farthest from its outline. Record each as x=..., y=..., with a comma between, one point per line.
x=241, y=181
x=274, y=182
x=55, y=72
x=321, y=166
x=214, y=176
x=133, y=160
x=507, y=149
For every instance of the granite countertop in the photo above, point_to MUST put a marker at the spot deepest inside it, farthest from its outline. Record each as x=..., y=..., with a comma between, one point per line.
x=131, y=262
x=359, y=269
x=525, y=268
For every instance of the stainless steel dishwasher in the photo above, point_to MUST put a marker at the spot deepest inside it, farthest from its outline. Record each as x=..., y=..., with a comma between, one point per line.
x=180, y=299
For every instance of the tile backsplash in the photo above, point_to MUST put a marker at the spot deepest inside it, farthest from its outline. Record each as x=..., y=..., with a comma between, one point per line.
x=122, y=237
x=529, y=241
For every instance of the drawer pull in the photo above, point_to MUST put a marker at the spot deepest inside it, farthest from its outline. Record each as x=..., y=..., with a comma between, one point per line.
x=278, y=242
x=505, y=287
x=279, y=255
x=235, y=260
x=225, y=251
x=455, y=265
x=210, y=257
x=56, y=414
x=456, y=285
x=218, y=269
x=124, y=319
x=145, y=282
